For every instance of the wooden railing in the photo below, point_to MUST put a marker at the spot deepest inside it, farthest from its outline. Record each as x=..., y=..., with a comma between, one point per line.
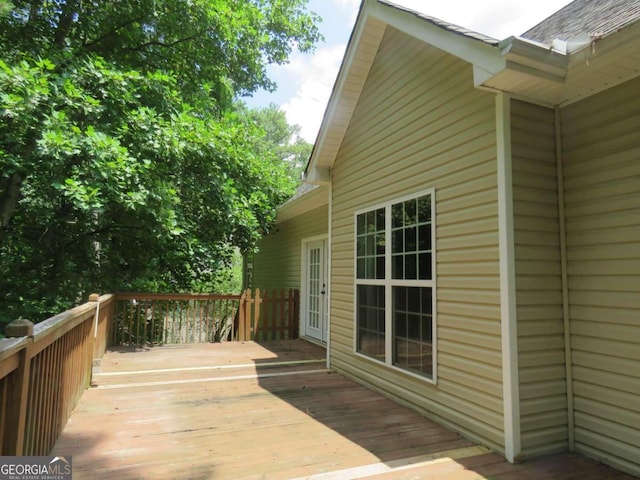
x=44, y=371
x=271, y=315
x=156, y=319
x=45, y=368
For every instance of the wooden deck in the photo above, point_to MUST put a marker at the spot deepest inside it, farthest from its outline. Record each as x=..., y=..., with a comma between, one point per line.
x=271, y=411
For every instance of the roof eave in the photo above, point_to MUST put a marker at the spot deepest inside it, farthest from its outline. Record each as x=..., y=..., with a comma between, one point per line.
x=547, y=75
x=311, y=200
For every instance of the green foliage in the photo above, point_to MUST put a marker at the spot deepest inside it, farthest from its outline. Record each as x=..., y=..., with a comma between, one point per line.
x=279, y=137
x=215, y=48
x=118, y=173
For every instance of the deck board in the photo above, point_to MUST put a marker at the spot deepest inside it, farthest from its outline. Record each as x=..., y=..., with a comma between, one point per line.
x=250, y=411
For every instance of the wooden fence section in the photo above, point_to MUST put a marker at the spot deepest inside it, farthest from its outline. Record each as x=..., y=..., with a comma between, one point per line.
x=43, y=373
x=272, y=315
x=156, y=319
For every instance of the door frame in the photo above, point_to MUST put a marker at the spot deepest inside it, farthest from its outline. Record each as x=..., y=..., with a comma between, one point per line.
x=303, y=284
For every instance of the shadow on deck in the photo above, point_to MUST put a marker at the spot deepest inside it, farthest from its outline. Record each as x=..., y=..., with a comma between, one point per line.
x=270, y=411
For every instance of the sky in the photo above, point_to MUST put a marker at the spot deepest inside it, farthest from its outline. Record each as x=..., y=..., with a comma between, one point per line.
x=305, y=83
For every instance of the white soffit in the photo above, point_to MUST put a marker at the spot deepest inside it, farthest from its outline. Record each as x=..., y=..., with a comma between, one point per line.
x=542, y=75
x=310, y=200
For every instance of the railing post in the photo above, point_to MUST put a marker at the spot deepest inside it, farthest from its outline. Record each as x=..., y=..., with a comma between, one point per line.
x=95, y=362
x=19, y=388
x=296, y=313
x=245, y=318
x=285, y=312
x=290, y=327
x=257, y=306
x=235, y=334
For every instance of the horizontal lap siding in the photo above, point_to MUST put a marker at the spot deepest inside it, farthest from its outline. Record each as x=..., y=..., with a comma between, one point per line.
x=601, y=147
x=421, y=124
x=277, y=263
x=543, y=401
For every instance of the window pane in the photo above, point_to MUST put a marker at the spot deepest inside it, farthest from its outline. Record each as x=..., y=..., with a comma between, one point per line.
x=370, y=321
x=380, y=268
x=427, y=326
x=424, y=209
x=413, y=337
x=371, y=221
x=396, y=215
x=425, y=266
x=380, y=325
x=398, y=266
x=424, y=234
x=413, y=324
x=410, y=239
x=380, y=242
x=371, y=267
x=412, y=234
x=400, y=299
x=400, y=324
x=411, y=267
x=426, y=301
x=410, y=212
x=370, y=243
x=380, y=225
x=397, y=241
x=413, y=299
x=361, y=271
x=361, y=246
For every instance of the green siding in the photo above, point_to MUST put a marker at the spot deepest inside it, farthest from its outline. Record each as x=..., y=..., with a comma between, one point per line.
x=277, y=263
x=419, y=124
x=601, y=151
x=543, y=400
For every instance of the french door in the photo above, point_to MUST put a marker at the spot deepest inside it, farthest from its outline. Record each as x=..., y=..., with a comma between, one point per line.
x=316, y=304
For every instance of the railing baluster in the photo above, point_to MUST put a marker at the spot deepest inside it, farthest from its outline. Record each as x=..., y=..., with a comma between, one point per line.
x=290, y=322
x=167, y=306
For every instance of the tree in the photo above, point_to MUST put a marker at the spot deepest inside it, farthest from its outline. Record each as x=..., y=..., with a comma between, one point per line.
x=123, y=163
x=215, y=48
x=279, y=137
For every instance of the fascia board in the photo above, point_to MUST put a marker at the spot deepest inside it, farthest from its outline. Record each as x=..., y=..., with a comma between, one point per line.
x=469, y=49
x=334, y=99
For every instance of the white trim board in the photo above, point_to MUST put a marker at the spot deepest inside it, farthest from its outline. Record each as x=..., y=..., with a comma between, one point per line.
x=506, y=243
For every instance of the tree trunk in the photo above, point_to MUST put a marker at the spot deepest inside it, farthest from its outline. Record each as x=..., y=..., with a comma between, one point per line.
x=65, y=22
x=9, y=199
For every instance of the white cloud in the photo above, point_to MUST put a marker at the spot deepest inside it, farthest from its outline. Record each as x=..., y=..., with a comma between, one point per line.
x=317, y=75
x=351, y=7
x=496, y=18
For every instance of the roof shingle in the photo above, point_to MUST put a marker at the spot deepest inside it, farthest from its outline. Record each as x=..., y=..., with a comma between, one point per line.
x=595, y=18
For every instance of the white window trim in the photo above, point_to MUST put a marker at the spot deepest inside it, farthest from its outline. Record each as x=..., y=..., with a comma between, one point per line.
x=388, y=283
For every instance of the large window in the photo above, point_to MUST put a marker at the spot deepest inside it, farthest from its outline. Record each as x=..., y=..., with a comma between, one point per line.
x=395, y=284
